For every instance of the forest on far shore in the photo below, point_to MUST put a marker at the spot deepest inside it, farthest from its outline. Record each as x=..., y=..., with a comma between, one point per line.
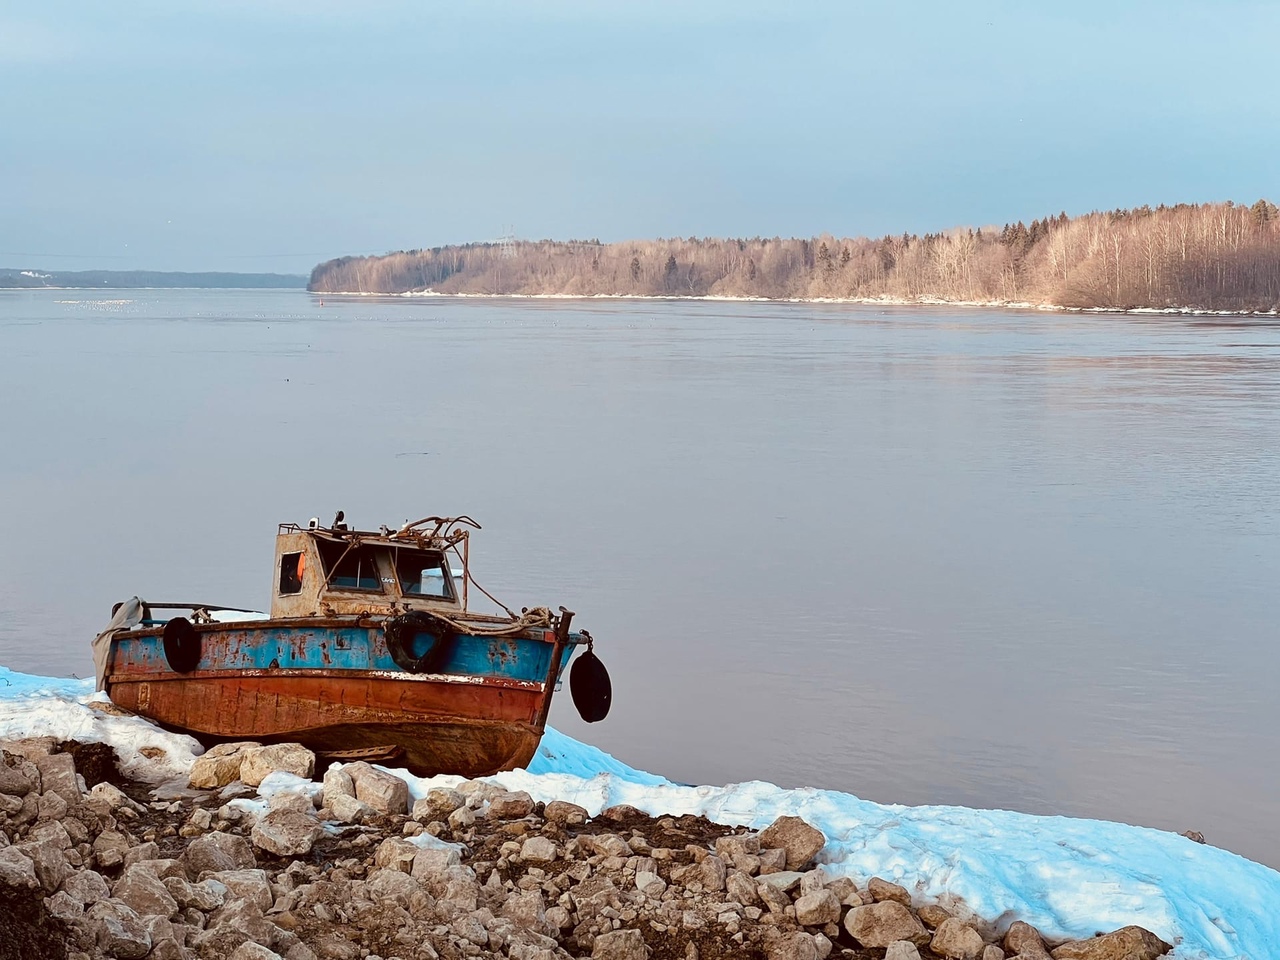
x=1214, y=256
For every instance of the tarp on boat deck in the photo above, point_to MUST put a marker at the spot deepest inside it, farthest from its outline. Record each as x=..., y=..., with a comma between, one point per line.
x=129, y=615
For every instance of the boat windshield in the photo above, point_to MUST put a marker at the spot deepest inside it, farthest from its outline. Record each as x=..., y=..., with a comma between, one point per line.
x=423, y=574
x=354, y=568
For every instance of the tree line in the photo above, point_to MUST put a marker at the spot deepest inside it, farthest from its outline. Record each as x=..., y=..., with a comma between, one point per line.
x=1215, y=256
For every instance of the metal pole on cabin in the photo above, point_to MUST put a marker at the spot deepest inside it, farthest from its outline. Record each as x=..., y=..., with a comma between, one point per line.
x=466, y=567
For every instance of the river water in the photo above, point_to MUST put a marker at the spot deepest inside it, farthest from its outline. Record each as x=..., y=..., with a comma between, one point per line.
x=939, y=555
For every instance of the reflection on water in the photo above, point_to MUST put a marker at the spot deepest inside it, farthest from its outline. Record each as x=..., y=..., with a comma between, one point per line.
x=1007, y=559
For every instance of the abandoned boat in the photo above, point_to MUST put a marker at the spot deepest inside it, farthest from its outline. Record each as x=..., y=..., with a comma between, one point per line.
x=370, y=651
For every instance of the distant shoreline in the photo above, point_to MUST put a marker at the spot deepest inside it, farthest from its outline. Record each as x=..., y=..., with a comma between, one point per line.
x=856, y=301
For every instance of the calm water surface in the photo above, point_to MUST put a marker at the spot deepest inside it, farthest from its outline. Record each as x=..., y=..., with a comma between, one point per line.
x=1000, y=559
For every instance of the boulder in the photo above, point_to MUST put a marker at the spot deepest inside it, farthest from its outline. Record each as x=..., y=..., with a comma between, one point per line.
x=801, y=841
x=538, y=849
x=293, y=758
x=741, y=888
x=395, y=853
x=882, y=890
x=956, y=940
x=772, y=861
x=119, y=931
x=438, y=804
x=880, y=924
x=391, y=884
x=564, y=813
x=18, y=776
x=49, y=862
x=204, y=896
x=932, y=915
x=286, y=833
x=253, y=951
x=527, y=910
x=785, y=881
x=1127, y=943
x=1024, y=940
x=17, y=870
x=380, y=790
x=902, y=950
x=620, y=945
x=58, y=775
x=817, y=909
x=87, y=886
x=109, y=848
x=217, y=851
x=512, y=805
x=250, y=886
x=992, y=952
x=219, y=766
x=337, y=783
x=347, y=809
x=144, y=893
x=433, y=862
x=797, y=946
x=652, y=885
x=713, y=873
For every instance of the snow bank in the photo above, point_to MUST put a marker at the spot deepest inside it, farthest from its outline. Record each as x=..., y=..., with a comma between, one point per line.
x=1070, y=878
x=47, y=707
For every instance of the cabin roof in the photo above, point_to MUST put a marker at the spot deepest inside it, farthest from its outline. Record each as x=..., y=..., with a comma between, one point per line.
x=431, y=533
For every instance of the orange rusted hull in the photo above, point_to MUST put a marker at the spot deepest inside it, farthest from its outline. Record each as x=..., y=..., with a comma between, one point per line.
x=465, y=726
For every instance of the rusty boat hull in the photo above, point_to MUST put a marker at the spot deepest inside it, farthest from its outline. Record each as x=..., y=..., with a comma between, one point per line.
x=332, y=685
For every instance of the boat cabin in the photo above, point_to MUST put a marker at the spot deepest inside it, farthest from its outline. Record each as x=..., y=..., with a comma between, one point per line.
x=326, y=571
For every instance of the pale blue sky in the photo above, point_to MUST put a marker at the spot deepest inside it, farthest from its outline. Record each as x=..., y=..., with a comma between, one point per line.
x=269, y=136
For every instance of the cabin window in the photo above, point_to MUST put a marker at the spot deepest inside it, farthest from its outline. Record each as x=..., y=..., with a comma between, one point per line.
x=423, y=575
x=292, y=566
x=350, y=569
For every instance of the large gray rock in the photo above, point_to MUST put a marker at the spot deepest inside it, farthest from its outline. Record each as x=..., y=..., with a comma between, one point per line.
x=218, y=851
x=380, y=790
x=87, y=886
x=797, y=946
x=253, y=951
x=252, y=886
x=259, y=762
x=337, y=783
x=902, y=950
x=538, y=849
x=109, y=848
x=438, y=804
x=882, y=890
x=992, y=952
x=49, y=862
x=1024, y=940
x=17, y=870
x=817, y=909
x=119, y=931
x=433, y=862
x=219, y=766
x=18, y=775
x=58, y=775
x=512, y=805
x=286, y=833
x=880, y=924
x=620, y=945
x=565, y=813
x=204, y=896
x=801, y=841
x=395, y=853
x=956, y=940
x=144, y=893
x=1127, y=943
x=347, y=809
x=391, y=884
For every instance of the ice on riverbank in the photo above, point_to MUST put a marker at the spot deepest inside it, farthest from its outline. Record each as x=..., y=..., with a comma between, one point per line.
x=1067, y=877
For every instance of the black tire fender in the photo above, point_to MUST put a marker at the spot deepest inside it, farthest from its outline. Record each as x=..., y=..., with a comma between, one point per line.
x=591, y=687
x=400, y=632
x=182, y=646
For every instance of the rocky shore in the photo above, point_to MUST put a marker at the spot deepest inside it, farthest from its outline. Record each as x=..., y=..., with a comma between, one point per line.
x=253, y=859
